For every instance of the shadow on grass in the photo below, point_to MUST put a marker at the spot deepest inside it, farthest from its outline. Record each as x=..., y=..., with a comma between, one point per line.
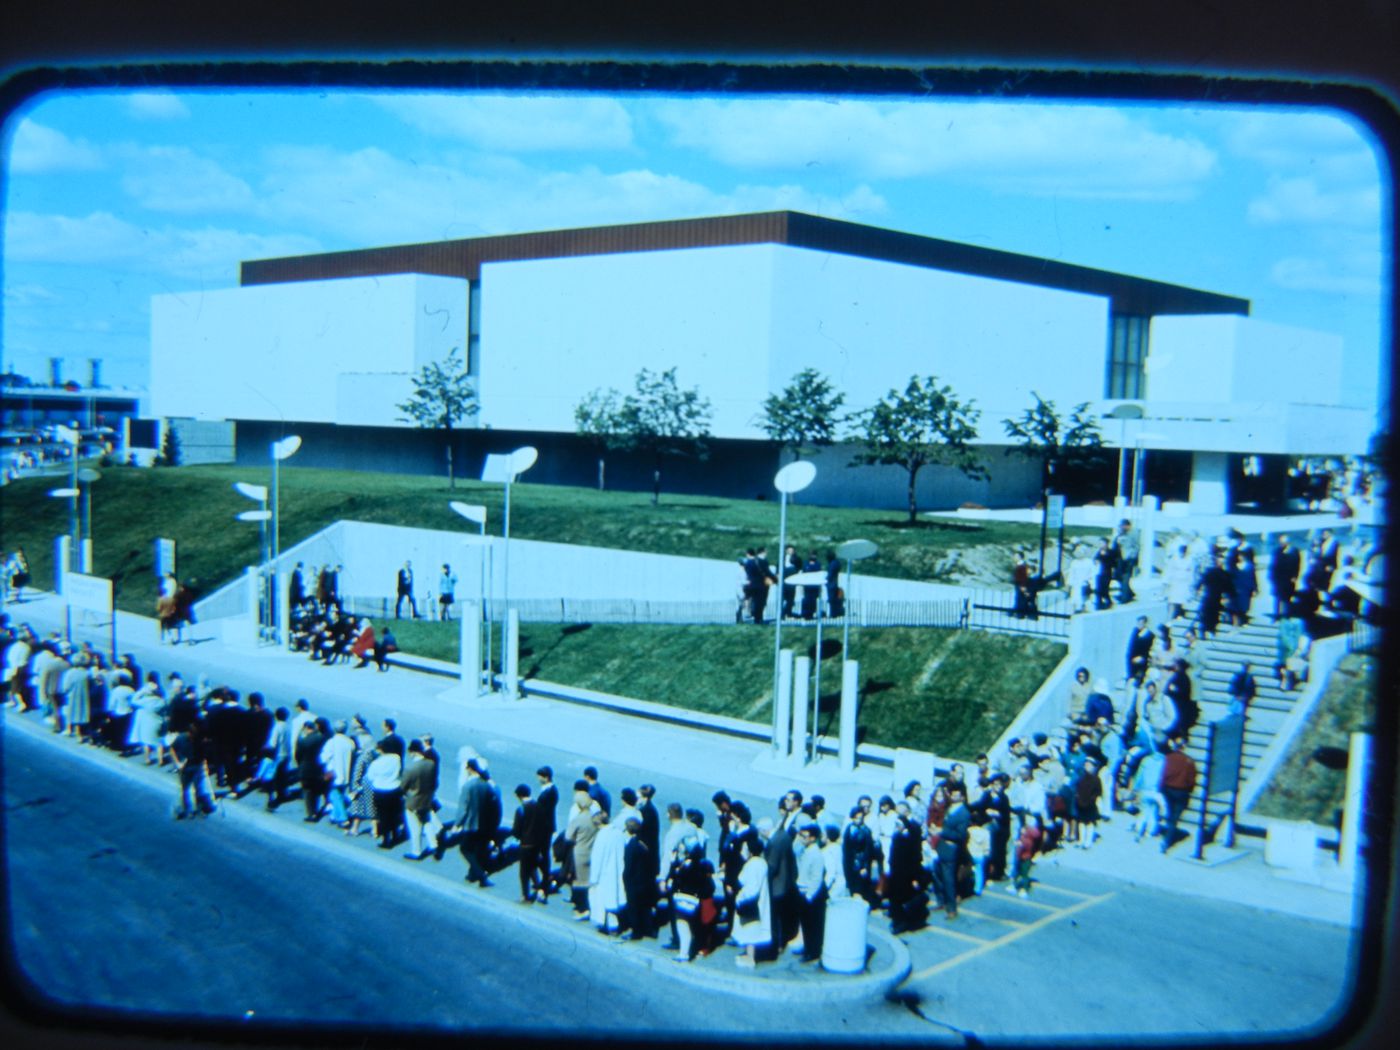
x=831, y=649
x=568, y=631
x=934, y=525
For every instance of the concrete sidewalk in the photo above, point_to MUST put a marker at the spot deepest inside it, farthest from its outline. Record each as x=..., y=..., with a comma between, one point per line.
x=707, y=760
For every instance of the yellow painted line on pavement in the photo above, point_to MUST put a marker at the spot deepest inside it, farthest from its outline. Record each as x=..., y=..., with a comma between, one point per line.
x=941, y=926
x=1060, y=889
x=993, y=918
x=1014, y=935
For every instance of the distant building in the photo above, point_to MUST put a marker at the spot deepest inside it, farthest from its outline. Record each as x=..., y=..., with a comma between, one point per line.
x=739, y=304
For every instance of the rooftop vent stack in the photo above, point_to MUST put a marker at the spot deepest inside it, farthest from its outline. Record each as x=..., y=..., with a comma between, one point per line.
x=55, y=371
x=95, y=372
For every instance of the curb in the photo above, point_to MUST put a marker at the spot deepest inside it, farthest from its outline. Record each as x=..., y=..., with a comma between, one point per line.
x=893, y=955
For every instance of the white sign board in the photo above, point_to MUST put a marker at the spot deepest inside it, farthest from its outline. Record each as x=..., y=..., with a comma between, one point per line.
x=1055, y=512
x=165, y=556
x=93, y=593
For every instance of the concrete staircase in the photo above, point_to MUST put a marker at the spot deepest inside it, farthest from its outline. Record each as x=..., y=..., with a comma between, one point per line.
x=1215, y=663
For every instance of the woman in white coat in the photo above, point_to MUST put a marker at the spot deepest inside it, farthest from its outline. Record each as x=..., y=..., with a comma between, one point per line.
x=753, y=906
x=1181, y=580
x=606, y=894
x=149, y=704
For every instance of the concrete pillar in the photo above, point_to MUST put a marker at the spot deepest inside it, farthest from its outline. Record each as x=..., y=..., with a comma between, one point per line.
x=801, y=690
x=250, y=589
x=470, y=657
x=782, y=705
x=850, y=690
x=85, y=556
x=1147, y=529
x=1353, y=807
x=510, y=683
x=282, y=588
x=1210, y=483
x=62, y=560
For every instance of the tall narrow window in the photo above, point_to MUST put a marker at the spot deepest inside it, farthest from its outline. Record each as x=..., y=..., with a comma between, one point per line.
x=1127, y=349
x=474, y=328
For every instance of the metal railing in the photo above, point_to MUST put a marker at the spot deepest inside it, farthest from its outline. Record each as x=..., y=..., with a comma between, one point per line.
x=985, y=609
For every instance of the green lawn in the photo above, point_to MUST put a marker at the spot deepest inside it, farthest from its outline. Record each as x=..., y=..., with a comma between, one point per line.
x=195, y=506
x=1303, y=788
x=952, y=692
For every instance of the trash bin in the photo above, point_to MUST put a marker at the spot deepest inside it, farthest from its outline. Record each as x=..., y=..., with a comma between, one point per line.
x=843, y=944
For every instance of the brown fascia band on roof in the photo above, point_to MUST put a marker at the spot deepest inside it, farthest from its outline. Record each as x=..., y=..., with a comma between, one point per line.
x=464, y=258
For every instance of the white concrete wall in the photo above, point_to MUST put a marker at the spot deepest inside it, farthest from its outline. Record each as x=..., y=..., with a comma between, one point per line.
x=372, y=554
x=1279, y=363
x=1184, y=352
x=274, y=351
x=739, y=322
x=870, y=325
x=1241, y=359
x=554, y=329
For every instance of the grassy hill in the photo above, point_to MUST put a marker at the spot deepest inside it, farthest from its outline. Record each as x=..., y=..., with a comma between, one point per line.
x=952, y=692
x=195, y=506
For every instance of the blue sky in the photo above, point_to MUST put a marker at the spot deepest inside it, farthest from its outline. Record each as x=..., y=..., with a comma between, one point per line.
x=114, y=197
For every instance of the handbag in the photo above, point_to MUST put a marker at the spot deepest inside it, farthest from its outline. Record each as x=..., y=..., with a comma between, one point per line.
x=685, y=903
x=747, y=911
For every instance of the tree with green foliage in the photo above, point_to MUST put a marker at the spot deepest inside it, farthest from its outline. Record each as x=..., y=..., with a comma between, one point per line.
x=806, y=413
x=1042, y=434
x=596, y=421
x=925, y=423
x=442, y=395
x=170, y=451
x=660, y=419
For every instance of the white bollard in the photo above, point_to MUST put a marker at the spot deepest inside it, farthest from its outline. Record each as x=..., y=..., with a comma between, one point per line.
x=62, y=561
x=850, y=686
x=1353, y=806
x=801, y=686
x=470, y=650
x=844, y=937
x=250, y=580
x=783, y=705
x=510, y=685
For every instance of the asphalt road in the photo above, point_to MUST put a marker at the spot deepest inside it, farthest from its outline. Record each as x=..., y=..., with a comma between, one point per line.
x=1090, y=957
x=117, y=907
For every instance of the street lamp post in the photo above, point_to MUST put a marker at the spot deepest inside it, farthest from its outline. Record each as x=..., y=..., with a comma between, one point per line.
x=476, y=513
x=852, y=551
x=86, y=477
x=258, y=494
x=792, y=478
x=506, y=468
x=1124, y=412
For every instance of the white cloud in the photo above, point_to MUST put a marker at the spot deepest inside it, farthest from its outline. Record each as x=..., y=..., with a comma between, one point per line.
x=176, y=179
x=156, y=105
x=1289, y=139
x=370, y=197
x=516, y=124
x=1079, y=151
x=1305, y=200
x=1315, y=274
x=39, y=149
x=100, y=238
x=29, y=295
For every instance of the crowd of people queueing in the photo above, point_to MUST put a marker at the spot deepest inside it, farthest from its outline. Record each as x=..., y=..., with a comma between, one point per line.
x=630, y=868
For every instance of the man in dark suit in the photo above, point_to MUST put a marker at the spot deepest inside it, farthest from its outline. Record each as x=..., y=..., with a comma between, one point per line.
x=952, y=842
x=473, y=821
x=405, y=590
x=548, y=803
x=528, y=828
x=1284, y=568
x=296, y=586
x=650, y=834
x=760, y=578
x=638, y=882
x=782, y=880
x=1139, y=650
